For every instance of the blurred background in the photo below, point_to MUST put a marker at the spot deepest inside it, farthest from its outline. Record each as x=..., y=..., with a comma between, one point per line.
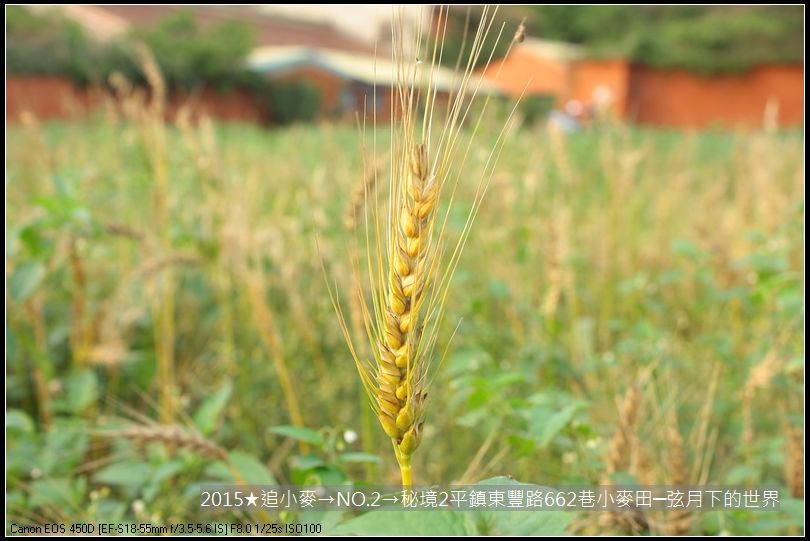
x=688, y=67
x=628, y=310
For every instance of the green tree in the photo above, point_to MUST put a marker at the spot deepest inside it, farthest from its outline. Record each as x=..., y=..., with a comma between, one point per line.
x=191, y=56
x=708, y=39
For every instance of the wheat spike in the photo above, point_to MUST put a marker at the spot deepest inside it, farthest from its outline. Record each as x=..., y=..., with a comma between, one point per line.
x=794, y=461
x=399, y=373
x=679, y=520
x=171, y=435
x=409, y=265
x=358, y=199
x=621, y=446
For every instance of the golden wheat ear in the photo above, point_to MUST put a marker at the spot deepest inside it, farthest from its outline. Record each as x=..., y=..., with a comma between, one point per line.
x=409, y=259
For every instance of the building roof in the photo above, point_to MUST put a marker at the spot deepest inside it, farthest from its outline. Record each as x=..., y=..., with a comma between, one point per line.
x=536, y=67
x=106, y=21
x=366, y=69
x=551, y=50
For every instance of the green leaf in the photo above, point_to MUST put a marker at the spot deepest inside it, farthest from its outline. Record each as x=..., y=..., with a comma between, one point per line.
x=307, y=462
x=519, y=522
x=206, y=416
x=450, y=523
x=524, y=523
x=156, y=485
x=401, y=523
x=359, y=457
x=33, y=240
x=82, y=391
x=623, y=478
x=298, y=433
x=25, y=279
x=686, y=249
x=327, y=520
x=56, y=493
x=65, y=448
x=326, y=475
x=126, y=474
x=167, y=470
x=245, y=468
x=545, y=424
x=19, y=421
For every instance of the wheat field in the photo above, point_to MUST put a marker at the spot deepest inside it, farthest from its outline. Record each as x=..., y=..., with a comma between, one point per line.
x=628, y=305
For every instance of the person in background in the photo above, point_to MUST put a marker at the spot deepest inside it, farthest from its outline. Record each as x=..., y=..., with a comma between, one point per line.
x=569, y=119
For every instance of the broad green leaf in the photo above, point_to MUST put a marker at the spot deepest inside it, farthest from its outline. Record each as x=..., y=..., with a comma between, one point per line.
x=401, y=523
x=56, y=493
x=126, y=474
x=326, y=475
x=25, y=279
x=450, y=523
x=298, y=433
x=167, y=470
x=519, y=522
x=623, y=478
x=36, y=244
x=526, y=523
x=206, y=416
x=307, y=462
x=20, y=421
x=359, y=457
x=243, y=468
x=163, y=472
x=545, y=424
x=327, y=520
x=65, y=448
x=82, y=391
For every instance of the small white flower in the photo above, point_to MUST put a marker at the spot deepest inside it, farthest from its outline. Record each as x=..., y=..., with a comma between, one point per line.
x=36, y=473
x=350, y=436
x=138, y=507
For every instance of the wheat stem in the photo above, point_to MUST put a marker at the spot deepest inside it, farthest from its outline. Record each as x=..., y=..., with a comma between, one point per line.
x=404, y=462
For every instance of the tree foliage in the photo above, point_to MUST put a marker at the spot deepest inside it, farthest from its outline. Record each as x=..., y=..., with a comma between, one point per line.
x=189, y=56
x=705, y=39
x=45, y=44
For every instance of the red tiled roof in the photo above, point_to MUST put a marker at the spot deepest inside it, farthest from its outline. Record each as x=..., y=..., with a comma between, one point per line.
x=270, y=29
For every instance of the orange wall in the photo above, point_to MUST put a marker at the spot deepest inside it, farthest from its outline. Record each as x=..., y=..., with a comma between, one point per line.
x=587, y=76
x=668, y=98
x=45, y=97
x=56, y=97
x=681, y=99
x=522, y=69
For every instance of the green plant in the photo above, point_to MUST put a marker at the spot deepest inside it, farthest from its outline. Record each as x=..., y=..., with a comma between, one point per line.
x=289, y=101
